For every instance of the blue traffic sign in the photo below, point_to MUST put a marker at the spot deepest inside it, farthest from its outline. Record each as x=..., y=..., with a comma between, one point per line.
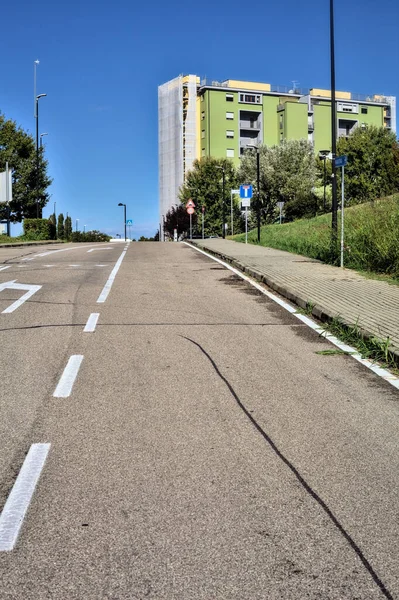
x=129, y=222
x=341, y=161
x=245, y=191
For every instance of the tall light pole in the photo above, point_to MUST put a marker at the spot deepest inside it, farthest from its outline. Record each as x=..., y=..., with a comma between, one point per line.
x=37, y=152
x=223, y=168
x=257, y=186
x=35, y=64
x=124, y=212
x=334, y=205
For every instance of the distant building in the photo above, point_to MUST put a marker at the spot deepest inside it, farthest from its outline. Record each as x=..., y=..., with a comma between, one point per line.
x=199, y=118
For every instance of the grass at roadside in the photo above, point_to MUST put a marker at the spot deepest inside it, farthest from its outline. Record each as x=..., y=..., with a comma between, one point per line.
x=371, y=237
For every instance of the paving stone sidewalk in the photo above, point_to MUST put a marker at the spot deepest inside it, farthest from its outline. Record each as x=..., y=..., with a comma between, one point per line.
x=333, y=291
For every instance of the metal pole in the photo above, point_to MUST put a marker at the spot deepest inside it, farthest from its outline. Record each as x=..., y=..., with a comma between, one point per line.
x=223, y=207
x=258, y=190
x=334, y=207
x=203, y=224
x=324, y=195
x=246, y=224
x=281, y=214
x=232, y=226
x=342, y=215
x=124, y=210
x=37, y=158
x=8, y=200
x=191, y=228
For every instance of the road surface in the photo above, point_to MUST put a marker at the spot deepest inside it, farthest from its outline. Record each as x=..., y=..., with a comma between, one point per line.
x=200, y=446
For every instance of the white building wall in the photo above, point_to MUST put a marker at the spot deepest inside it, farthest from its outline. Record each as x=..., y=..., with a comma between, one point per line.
x=170, y=144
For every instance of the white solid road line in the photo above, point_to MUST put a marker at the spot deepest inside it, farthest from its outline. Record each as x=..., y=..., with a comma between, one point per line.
x=65, y=384
x=4, y=268
x=373, y=366
x=107, y=287
x=91, y=323
x=18, y=501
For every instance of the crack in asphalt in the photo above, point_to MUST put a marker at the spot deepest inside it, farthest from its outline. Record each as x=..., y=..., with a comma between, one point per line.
x=298, y=476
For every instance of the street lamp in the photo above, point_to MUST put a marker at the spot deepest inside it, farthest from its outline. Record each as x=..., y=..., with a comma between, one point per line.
x=323, y=155
x=41, y=140
x=257, y=186
x=223, y=168
x=37, y=152
x=124, y=211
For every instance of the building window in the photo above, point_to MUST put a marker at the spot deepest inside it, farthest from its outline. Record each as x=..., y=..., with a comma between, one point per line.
x=251, y=98
x=203, y=133
x=202, y=115
x=203, y=152
x=230, y=134
x=229, y=98
x=230, y=116
x=364, y=110
x=230, y=153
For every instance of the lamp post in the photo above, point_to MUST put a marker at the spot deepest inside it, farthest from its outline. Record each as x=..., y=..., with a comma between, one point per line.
x=323, y=155
x=334, y=203
x=257, y=186
x=124, y=213
x=223, y=168
x=41, y=140
x=37, y=152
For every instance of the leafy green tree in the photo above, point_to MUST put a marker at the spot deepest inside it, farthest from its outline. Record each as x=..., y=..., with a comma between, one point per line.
x=373, y=164
x=68, y=228
x=287, y=174
x=178, y=218
x=18, y=149
x=204, y=186
x=60, y=227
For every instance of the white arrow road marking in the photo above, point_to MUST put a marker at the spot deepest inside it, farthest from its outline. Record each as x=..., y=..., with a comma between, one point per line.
x=18, y=501
x=4, y=268
x=32, y=289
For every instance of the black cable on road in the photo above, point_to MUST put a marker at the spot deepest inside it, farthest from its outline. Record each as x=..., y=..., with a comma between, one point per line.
x=299, y=477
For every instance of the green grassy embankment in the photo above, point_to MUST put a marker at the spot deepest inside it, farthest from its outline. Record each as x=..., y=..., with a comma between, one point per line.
x=371, y=237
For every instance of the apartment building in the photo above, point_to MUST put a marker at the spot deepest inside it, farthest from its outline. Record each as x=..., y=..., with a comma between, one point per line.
x=199, y=118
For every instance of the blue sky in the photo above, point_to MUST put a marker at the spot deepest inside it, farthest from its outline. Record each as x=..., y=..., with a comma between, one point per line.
x=101, y=63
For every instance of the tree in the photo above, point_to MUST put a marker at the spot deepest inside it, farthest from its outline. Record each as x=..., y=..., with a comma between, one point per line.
x=68, y=228
x=287, y=174
x=52, y=227
x=178, y=218
x=373, y=163
x=204, y=186
x=18, y=149
x=60, y=228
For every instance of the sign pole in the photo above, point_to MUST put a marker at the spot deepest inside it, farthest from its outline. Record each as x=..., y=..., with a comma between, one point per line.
x=191, y=228
x=246, y=224
x=342, y=214
x=8, y=201
x=231, y=198
x=203, y=227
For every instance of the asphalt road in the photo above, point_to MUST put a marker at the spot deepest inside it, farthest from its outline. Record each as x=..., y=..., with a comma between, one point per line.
x=206, y=451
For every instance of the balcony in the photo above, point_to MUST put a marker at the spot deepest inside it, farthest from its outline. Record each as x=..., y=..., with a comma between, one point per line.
x=250, y=125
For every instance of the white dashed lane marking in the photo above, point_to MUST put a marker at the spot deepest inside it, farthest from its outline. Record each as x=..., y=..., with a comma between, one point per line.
x=91, y=323
x=65, y=384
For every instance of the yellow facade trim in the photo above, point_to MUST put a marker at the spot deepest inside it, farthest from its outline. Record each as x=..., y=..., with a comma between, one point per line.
x=249, y=85
x=327, y=94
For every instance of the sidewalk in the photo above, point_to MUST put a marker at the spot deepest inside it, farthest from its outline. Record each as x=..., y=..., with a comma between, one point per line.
x=333, y=291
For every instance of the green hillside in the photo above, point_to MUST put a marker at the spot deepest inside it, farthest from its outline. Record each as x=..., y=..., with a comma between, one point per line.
x=371, y=237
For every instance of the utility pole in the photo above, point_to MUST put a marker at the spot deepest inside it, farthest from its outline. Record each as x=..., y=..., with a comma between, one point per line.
x=258, y=190
x=334, y=207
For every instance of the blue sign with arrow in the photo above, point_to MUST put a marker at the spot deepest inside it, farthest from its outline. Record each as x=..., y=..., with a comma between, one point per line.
x=246, y=191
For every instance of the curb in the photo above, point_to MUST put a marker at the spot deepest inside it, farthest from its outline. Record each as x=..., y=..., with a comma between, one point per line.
x=320, y=313
x=22, y=244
